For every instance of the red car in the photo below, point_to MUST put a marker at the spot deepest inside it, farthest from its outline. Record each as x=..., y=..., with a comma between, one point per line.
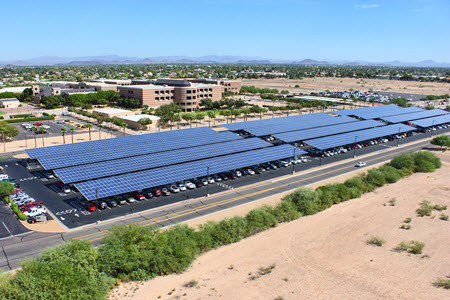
x=138, y=196
x=38, y=124
x=156, y=192
x=27, y=204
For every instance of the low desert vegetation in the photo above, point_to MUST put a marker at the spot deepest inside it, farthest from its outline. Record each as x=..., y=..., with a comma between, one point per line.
x=376, y=240
x=444, y=217
x=262, y=271
x=131, y=252
x=414, y=247
x=443, y=283
x=426, y=208
x=407, y=220
x=405, y=226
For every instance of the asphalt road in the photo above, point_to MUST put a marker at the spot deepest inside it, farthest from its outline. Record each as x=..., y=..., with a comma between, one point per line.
x=17, y=248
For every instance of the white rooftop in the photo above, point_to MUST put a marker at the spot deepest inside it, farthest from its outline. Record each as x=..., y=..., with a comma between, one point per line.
x=320, y=98
x=112, y=110
x=136, y=118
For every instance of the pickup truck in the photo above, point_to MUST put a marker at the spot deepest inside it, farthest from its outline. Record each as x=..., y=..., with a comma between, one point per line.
x=34, y=211
x=25, y=207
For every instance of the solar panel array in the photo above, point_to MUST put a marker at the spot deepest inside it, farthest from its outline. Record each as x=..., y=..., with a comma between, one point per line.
x=376, y=112
x=415, y=116
x=269, y=130
x=117, y=142
x=139, y=163
x=358, y=136
x=432, y=121
x=80, y=158
x=302, y=135
x=275, y=121
x=120, y=184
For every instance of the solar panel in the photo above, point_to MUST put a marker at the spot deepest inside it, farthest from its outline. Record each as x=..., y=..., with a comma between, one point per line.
x=269, y=130
x=432, y=121
x=301, y=135
x=377, y=112
x=144, y=162
x=81, y=158
x=126, y=183
x=357, y=136
x=415, y=116
x=117, y=142
x=275, y=121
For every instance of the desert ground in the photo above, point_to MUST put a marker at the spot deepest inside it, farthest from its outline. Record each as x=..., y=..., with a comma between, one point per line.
x=321, y=84
x=326, y=256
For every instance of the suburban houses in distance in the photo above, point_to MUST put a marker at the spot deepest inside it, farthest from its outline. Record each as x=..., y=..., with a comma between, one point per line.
x=187, y=93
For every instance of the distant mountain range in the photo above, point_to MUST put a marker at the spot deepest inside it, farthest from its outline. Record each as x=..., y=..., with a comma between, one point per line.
x=211, y=59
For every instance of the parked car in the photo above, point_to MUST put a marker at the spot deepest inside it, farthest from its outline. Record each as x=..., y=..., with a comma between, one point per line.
x=111, y=202
x=100, y=204
x=217, y=178
x=34, y=211
x=165, y=191
x=360, y=164
x=129, y=198
x=38, y=124
x=63, y=187
x=29, y=203
x=224, y=176
x=148, y=194
x=204, y=181
x=181, y=186
x=190, y=185
x=210, y=179
x=139, y=195
x=156, y=192
x=173, y=188
x=198, y=183
x=86, y=204
x=33, y=219
x=49, y=175
x=120, y=200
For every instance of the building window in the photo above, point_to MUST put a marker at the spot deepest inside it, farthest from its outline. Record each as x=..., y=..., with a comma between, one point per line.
x=157, y=92
x=193, y=97
x=188, y=97
x=188, y=91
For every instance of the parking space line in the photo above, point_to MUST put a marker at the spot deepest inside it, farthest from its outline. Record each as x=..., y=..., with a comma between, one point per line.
x=7, y=229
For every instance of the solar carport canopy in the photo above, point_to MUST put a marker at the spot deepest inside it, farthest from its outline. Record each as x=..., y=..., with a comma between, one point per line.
x=415, y=116
x=117, y=142
x=377, y=112
x=358, y=136
x=302, y=135
x=432, y=121
x=144, y=162
x=120, y=184
x=269, y=130
x=81, y=158
x=276, y=121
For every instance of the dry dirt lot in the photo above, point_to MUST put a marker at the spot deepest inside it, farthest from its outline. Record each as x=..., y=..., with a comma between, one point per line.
x=325, y=256
x=320, y=84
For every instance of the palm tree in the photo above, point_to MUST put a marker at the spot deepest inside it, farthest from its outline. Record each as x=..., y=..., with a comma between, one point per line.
x=42, y=130
x=63, y=131
x=89, y=126
x=35, y=128
x=72, y=129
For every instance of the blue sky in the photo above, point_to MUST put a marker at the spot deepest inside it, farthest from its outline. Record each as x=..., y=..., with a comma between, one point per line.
x=372, y=30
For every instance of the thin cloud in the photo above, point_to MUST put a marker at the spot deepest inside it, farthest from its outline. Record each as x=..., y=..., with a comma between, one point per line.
x=364, y=6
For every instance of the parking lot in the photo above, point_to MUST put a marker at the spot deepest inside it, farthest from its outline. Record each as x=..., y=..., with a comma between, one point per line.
x=52, y=129
x=68, y=210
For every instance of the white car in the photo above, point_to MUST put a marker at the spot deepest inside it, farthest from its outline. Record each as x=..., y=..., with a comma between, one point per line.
x=24, y=200
x=181, y=186
x=26, y=126
x=210, y=179
x=174, y=188
x=189, y=184
x=250, y=172
x=34, y=211
x=360, y=164
x=66, y=189
x=204, y=181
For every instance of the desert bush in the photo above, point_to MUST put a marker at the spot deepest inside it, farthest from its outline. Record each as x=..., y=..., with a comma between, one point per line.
x=259, y=219
x=227, y=231
x=392, y=201
x=286, y=211
x=425, y=209
x=377, y=241
x=65, y=272
x=404, y=162
x=414, y=247
x=407, y=220
x=376, y=177
x=444, y=283
x=439, y=207
x=360, y=183
x=306, y=200
x=21, y=216
x=405, y=226
x=191, y=284
x=426, y=161
x=444, y=217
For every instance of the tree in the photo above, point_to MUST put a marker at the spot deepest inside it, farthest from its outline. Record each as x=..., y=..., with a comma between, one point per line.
x=42, y=131
x=144, y=122
x=72, y=129
x=7, y=131
x=199, y=116
x=211, y=115
x=167, y=111
x=188, y=117
x=6, y=188
x=89, y=126
x=245, y=112
x=35, y=129
x=441, y=140
x=207, y=103
x=63, y=131
x=236, y=113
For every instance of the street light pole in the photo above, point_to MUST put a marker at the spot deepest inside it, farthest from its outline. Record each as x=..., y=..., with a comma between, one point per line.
x=354, y=148
x=207, y=181
x=293, y=165
x=96, y=198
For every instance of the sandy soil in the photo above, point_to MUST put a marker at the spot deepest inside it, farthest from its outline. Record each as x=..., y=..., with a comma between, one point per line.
x=326, y=255
x=49, y=226
x=320, y=84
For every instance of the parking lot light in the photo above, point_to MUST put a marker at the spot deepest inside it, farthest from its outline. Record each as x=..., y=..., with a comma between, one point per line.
x=207, y=178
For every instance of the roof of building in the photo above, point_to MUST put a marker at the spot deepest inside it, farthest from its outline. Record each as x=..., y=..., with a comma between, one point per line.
x=112, y=110
x=146, y=87
x=9, y=100
x=136, y=118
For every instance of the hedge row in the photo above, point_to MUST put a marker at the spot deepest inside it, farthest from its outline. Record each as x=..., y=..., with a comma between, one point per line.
x=138, y=253
x=21, y=116
x=18, y=212
x=30, y=119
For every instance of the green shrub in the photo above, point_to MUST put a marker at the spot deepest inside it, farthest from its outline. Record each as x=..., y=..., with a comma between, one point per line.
x=407, y=220
x=404, y=162
x=15, y=208
x=377, y=241
x=391, y=174
x=443, y=283
x=21, y=116
x=306, y=200
x=286, y=211
x=7, y=199
x=405, y=226
x=414, y=247
x=439, y=207
x=444, y=217
x=69, y=271
x=22, y=216
x=227, y=231
x=426, y=161
x=376, y=177
x=258, y=220
x=30, y=119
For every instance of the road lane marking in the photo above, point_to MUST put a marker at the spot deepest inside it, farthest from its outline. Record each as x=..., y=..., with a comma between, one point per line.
x=7, y=229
